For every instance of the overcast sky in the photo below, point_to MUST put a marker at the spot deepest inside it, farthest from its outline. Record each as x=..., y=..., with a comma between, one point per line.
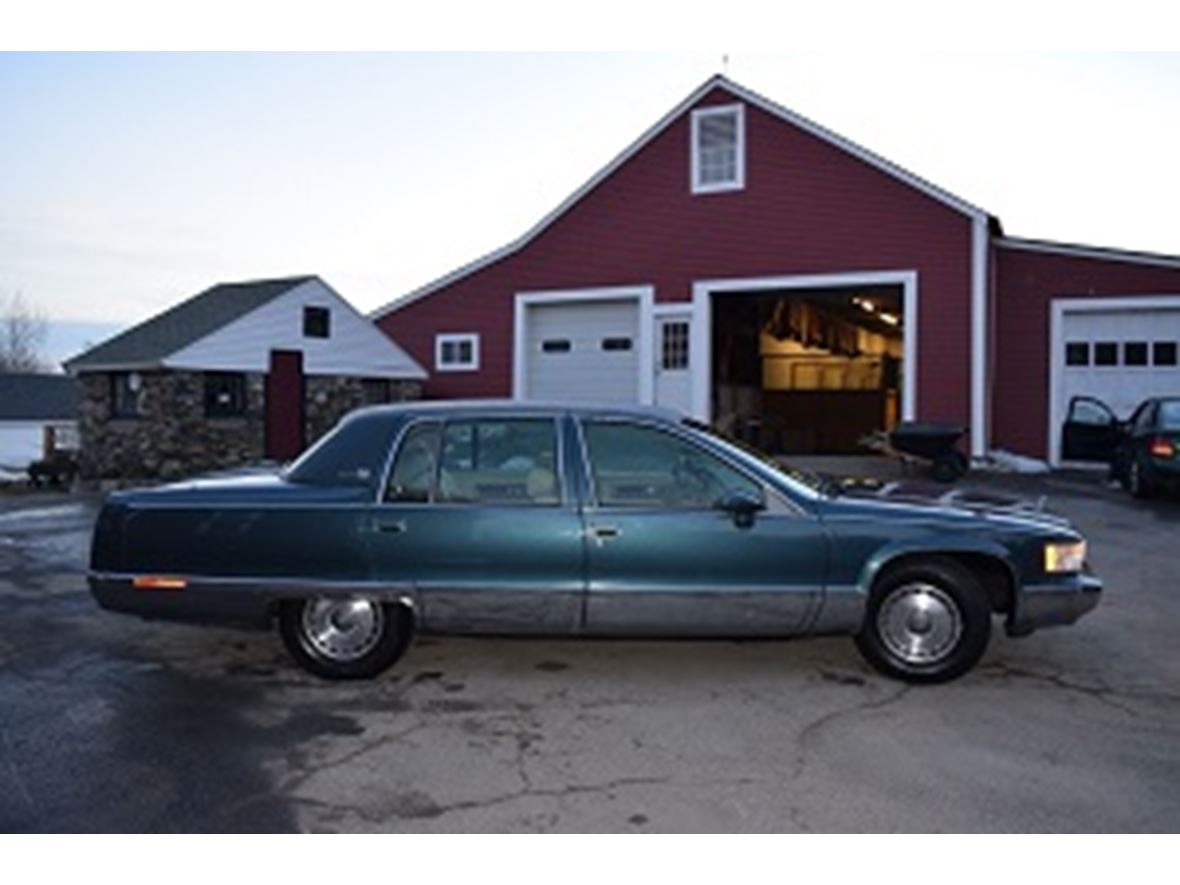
x=128, y=182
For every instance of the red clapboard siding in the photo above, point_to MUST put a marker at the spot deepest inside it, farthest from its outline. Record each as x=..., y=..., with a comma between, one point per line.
x=1026, y=284
x=808, y=207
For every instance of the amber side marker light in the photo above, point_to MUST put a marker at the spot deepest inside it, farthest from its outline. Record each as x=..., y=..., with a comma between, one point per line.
x=158, y=582
x=1161, y=448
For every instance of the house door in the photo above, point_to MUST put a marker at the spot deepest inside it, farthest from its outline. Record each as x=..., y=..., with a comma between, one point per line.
x=673, y=378
x=284, y=405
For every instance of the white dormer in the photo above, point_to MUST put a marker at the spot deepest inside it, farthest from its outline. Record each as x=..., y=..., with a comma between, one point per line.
x=718, y=149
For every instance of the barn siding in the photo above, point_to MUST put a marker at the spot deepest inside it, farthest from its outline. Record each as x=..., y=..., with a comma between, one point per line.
x=808, y=207
x=1027, y=282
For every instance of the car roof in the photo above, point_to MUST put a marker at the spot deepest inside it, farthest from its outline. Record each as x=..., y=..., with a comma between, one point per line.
x=523, y=407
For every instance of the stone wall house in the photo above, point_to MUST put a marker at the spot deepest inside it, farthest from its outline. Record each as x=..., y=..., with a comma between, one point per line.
x=240, y=374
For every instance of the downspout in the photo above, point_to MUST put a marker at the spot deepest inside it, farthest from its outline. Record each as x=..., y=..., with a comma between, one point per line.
x=979, y=337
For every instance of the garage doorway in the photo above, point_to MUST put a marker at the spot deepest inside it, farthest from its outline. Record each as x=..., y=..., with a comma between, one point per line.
x=810, y=365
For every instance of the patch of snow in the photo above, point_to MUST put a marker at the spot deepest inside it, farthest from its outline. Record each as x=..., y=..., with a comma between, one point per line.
x=1009, y=462
x=8, y=476
x=40, y=513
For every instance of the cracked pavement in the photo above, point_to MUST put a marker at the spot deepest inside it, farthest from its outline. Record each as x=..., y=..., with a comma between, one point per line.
x=110, y=723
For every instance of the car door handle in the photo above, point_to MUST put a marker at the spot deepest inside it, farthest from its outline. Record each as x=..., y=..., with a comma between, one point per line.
x=391, y=526
x=603, y=533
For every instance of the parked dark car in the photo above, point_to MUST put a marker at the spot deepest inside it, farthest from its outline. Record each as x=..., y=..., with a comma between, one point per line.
x=1147, y=458
x=1143, y=452
x=513, y=518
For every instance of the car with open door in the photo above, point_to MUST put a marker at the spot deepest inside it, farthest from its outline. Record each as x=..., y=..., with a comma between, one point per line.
x=1091, y=432
x=520, y=518
x=1147, y=457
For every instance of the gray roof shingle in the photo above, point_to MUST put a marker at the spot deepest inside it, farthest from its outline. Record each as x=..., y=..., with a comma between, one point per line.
x=38, y=397
x=154, y=340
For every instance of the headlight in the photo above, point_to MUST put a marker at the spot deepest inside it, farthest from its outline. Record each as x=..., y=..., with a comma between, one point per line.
x=1064, y=556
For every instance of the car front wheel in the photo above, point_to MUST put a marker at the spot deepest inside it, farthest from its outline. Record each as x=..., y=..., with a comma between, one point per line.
x=344, y=637
x=925, y=622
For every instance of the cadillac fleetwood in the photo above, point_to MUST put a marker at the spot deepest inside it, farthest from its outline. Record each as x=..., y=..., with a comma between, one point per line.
x=518, y=518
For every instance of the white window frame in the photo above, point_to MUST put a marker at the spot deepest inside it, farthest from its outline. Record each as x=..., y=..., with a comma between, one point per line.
x=739, y=182
x=443, y=339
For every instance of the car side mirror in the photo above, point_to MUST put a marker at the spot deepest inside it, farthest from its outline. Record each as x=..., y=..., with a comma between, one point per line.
x=742, y=506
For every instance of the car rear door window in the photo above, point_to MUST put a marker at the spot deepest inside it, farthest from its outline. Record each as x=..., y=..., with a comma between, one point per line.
x=506, y=461
x=640, y=466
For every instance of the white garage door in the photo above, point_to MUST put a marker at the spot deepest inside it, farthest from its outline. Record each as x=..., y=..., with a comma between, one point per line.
x=1120, y=356
x=582, y=351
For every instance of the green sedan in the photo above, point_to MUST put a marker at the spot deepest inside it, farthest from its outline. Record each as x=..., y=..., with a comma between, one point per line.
x=527, y=519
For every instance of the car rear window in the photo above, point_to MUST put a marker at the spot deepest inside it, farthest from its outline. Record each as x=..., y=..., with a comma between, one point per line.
x=1170, y=415
x=353, y=454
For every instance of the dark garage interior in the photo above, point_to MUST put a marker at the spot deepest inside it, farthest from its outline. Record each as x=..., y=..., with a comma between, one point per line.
x=808, y=371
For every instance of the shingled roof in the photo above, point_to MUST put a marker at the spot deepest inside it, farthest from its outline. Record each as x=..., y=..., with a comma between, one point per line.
x=154, y=340
x=27, y=397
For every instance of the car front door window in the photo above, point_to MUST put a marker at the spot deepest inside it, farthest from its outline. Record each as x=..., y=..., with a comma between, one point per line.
x=634, y=466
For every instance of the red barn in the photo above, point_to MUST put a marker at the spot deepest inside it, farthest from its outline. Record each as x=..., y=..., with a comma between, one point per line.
x=744, y=265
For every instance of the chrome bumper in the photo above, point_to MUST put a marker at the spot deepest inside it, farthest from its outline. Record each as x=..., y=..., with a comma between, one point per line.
x=1053, y=605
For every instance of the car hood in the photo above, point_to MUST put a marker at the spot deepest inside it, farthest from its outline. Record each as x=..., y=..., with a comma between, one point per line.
x=924, y=499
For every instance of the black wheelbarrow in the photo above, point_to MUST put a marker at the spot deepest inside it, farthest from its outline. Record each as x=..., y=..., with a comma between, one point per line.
x=929, y=443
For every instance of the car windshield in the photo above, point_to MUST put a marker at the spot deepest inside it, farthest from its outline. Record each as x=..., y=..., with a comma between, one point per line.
x=353, y=454
x=1170, y=414
x=800, y=475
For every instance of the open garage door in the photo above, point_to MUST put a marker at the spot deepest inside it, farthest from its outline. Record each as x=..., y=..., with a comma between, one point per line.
x=809, y=370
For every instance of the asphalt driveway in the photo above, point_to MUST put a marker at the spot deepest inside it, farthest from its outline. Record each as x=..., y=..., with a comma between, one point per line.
x=108, y=723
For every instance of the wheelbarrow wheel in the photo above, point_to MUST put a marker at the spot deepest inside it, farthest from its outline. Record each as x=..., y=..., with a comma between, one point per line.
x=950, y=467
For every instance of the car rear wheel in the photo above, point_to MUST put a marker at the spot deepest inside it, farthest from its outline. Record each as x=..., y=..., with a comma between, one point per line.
x=344, y=637
x=927, y=621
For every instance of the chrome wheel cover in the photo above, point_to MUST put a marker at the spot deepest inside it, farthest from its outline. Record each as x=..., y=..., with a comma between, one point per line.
x=342, y=629
x=919, y=623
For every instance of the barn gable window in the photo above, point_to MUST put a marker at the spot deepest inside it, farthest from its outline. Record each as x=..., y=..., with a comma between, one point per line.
x=456, y=352
x=718, y=149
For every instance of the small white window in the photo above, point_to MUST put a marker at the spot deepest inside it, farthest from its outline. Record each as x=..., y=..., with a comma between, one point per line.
x=718, y=149
x=456, y=352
